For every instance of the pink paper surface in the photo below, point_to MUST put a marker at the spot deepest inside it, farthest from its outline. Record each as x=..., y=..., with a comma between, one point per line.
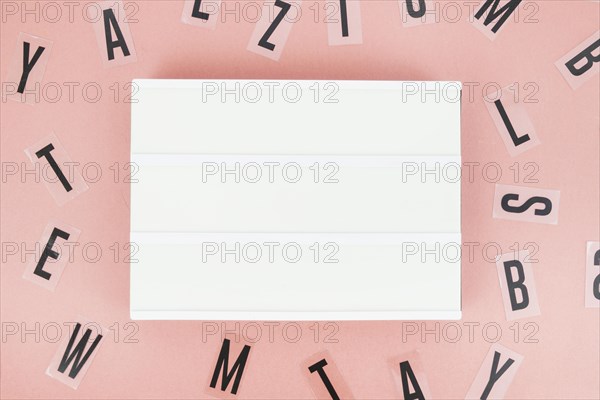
x=173, y=359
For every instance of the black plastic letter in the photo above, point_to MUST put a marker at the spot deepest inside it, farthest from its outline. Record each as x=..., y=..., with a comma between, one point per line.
x=530, y=202
x=411, y=8
x=28, y=65
x=495, y=374
x=596, y=284
x=318, y=366
x=48, y=252
x=109, y=19
x=586, y=54
x=504, y=12
x=264, y=41
x=45, y=152
x=407, y=374
x=196, y=13
x=344, y=17
x=79, y=349
x=237, y=369
x=517, y=284
x=517, y=140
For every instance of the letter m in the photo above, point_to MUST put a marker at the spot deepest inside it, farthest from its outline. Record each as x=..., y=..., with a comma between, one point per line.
x=504, y=12
x=237, y=369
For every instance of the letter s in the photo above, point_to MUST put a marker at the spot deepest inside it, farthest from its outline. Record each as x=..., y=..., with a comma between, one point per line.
x=530, y=202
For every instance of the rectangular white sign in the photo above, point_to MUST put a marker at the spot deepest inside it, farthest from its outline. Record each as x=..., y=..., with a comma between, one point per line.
x=295, y=200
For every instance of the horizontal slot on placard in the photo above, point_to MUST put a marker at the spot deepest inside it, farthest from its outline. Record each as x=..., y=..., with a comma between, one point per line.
x=296, y=117
x=295, y=276
x=408, y=315
x=295, y=193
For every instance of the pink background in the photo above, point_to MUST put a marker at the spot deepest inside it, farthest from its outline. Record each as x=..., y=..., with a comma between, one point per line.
x=171, y=360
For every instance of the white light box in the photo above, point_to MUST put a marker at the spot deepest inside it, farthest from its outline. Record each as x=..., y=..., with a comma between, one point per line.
x=295, y=200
